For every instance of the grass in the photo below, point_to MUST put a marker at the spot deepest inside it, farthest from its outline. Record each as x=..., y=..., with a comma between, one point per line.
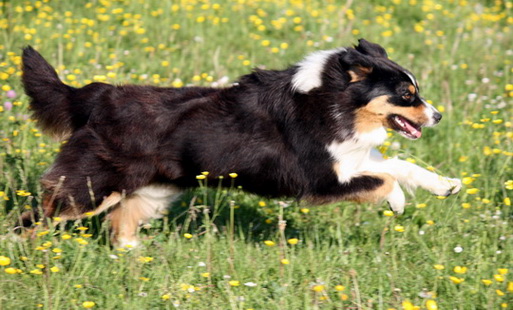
x=241, y=251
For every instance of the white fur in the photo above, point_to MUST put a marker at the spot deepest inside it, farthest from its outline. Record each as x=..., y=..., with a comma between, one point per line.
x=412, y=176
x=396, y=199
x=357, y=156
x=156, y=199
x=413, y=80
x=430, y=111
x=352, y=154
x=309, y=72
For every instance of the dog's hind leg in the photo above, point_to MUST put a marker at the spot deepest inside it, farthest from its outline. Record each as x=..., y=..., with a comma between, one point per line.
x=144, y=204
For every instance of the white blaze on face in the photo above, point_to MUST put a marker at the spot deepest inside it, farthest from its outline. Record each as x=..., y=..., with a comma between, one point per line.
x=412, y=79
x=430, y=111
x=309, y=72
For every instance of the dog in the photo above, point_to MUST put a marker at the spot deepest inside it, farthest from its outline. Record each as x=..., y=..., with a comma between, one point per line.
x=308, y=132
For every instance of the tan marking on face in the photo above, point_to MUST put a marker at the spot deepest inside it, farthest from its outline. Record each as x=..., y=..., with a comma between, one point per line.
x=412, y=89
x=374, y=114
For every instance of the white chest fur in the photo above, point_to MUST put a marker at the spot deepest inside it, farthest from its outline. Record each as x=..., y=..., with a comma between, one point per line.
x=351, y=155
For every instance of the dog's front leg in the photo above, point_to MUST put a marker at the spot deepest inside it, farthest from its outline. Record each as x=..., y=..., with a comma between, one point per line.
x=371, y=187
x=412, y=176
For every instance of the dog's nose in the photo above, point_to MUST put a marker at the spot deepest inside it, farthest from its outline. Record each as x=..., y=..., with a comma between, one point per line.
x=437, y=117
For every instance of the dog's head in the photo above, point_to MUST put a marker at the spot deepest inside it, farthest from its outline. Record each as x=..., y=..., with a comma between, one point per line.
x=378, y=92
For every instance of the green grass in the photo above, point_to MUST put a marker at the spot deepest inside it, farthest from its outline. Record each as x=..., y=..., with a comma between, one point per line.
x=348, y=256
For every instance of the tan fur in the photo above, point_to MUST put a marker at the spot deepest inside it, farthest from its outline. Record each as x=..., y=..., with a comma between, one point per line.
x=374, y=114
x=379, y=193
x=372, y=196
x=145, y=204
x=72, y=214
x=358, y=73
x=412, y=89
x=336, y=168
x=125, y=220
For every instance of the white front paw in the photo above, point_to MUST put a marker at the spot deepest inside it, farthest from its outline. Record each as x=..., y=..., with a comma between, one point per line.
x=443, y=186
x=396, y=199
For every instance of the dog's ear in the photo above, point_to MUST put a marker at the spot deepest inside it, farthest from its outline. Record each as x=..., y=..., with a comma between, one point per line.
x=356, y=64
x=372, y=49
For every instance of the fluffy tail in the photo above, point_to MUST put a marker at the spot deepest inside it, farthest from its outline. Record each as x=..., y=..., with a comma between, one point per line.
x=59, y=109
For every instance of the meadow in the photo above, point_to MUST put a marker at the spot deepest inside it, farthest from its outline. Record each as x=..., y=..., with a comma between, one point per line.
x=226, y=249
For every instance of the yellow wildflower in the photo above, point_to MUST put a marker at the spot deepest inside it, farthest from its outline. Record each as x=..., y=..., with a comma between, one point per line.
x=4, y=261
x=293, y=241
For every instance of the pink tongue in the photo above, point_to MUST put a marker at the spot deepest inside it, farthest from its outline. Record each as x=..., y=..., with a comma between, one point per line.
x=412, y=130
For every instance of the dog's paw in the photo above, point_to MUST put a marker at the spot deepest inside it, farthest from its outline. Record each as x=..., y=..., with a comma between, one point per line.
x=443, y=186
x=396, y=199
x=126, y=243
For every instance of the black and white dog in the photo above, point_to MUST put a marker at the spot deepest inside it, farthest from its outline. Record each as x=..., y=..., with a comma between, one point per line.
x=307, y=132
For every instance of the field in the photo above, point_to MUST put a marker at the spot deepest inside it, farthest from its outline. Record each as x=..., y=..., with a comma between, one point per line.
x=226, y=249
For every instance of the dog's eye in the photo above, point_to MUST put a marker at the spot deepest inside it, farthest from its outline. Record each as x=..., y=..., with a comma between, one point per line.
x=408, y=97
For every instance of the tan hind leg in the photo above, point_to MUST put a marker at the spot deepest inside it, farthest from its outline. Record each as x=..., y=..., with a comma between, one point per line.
x=146, y=203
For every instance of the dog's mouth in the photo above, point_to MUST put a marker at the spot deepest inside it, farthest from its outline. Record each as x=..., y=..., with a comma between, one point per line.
x=405, y=127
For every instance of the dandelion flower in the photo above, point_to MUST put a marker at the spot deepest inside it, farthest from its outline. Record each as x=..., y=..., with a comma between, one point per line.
x=456, y=280
x=472, y=191
x=88, y=304
x=233, y=175
x=460, y=269
x=10, y=270
x=234, y=283
x=269, y=243
x=467, y=180
x=285, y=261
x=388, y=213
x=498, y=277
x=508, y=184
x=4, y=261
x=431, y=304
x=399, y=228
x=340, y=288
x=293, y=241
x=318, y=288
x=510, y=287
x=187, y=236
x=486, y=282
